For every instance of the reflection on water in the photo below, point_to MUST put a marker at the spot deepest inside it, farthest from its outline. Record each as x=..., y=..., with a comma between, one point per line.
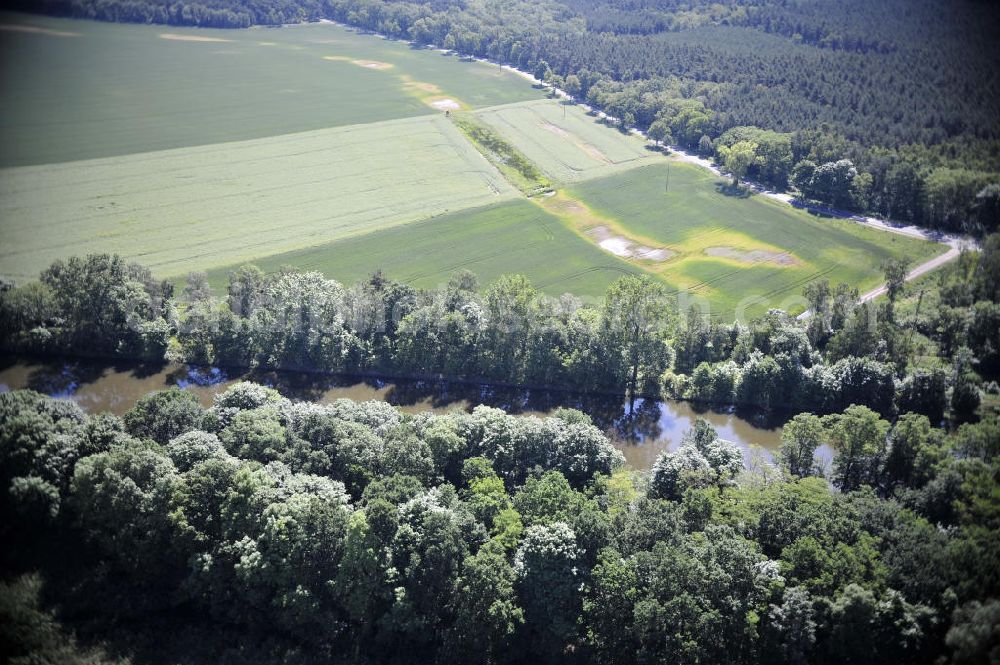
x=641, y=430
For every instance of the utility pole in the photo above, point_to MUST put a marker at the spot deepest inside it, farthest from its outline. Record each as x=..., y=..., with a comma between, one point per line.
x=666, y=187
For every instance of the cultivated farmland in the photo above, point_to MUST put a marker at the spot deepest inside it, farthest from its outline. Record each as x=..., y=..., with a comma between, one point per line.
x=512, y=237
x=81, y=89
x=565, y=142
x=320, y=148
x=194, y=208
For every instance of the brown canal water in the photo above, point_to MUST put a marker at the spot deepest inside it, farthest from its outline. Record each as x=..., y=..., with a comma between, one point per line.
x=641, y=432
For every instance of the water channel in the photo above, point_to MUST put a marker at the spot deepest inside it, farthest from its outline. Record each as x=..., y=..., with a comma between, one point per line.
x=640, y=432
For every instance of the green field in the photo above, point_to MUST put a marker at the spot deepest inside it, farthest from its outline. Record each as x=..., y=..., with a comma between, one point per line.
x=513, y=237
x=727, y=248
x=319, y=148
x=565, y=142
x=193, y=208
x=85, y=89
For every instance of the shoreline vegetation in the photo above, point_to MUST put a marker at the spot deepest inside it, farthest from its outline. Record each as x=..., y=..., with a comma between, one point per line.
x=635, y=343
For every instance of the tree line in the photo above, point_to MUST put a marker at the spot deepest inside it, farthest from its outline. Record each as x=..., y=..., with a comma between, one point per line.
x=634, y=342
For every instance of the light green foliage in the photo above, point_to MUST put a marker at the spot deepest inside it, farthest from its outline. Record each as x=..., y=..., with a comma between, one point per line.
x=407, y=454
x=738, y=157
x=636, y=316
x=772, y=155
x=516, y=444
x=255, y=434
x=485, y=495
x=702, y=601
x=701, y=460
x=800, y=438
x=859, y=438
x=243, y=396
x=361, y=578
x=548, y=499
x=823, y=566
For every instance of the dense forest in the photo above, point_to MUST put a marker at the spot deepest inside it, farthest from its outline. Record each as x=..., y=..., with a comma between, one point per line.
x=262, y=530
x=890, y=107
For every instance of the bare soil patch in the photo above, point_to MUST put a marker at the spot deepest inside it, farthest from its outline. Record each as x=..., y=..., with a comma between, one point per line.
x=625, y=248
x=373, y=64
x=367, y=64
x=570, y=207
x=421, y=86
x=595, y=153
x=753, y=256
x=555, y=130
x=172, y=36
x=445, y=104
